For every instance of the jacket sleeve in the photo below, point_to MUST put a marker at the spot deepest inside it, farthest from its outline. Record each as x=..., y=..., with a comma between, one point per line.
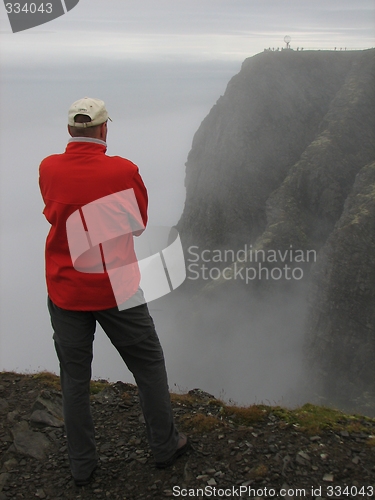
x=140, y=192
x=42, y=186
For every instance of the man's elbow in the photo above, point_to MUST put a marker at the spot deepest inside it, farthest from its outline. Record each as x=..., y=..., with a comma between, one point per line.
x=139, y=232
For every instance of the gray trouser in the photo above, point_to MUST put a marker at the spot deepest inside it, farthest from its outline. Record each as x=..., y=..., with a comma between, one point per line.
x=133, y=334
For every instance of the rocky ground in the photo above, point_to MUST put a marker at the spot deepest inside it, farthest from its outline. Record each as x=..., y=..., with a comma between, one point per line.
x=250, y=452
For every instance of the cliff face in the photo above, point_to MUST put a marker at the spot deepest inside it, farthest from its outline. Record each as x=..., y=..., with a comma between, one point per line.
x=271, y=112
x=310, y=201
x=284, y=162
x=340, y=343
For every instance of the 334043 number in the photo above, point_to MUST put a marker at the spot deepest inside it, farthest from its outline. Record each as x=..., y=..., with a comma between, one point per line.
x=352, y=491
x=26, y=8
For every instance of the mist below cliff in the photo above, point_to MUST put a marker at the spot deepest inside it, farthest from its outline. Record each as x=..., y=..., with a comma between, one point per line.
x=237, y=348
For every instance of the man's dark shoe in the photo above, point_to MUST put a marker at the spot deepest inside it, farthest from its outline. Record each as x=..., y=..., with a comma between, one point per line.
x=183, y=447
x=85, y=482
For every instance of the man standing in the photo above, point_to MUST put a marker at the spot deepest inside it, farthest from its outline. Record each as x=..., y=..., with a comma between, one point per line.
x=80, y=296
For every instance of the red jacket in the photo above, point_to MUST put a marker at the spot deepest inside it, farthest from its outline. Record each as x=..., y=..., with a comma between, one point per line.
x=68, y=182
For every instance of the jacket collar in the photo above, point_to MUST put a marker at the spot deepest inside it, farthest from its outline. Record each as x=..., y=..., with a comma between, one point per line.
x=87, y=139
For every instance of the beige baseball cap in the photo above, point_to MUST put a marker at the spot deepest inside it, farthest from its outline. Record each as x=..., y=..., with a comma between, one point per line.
x=94, y=108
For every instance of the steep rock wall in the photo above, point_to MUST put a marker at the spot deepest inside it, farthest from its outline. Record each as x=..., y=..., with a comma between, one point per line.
x=243, y=150
x=284, y=160
x=340, y=343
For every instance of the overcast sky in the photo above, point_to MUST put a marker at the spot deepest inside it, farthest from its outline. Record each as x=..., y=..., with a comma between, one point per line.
x=160, y=65
x=198, y=29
